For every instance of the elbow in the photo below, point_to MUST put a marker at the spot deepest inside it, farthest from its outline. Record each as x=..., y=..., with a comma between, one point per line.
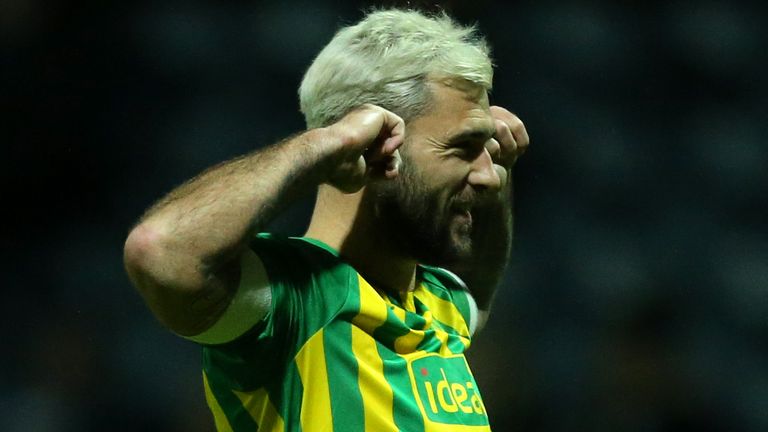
x=153, y=269
x=141, y=252
x=152, y=265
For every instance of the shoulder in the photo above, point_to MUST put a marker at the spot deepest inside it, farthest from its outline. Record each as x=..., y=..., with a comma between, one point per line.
x=294, y=255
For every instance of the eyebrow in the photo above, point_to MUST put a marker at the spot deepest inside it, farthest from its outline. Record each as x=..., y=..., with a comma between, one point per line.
x=483, y=134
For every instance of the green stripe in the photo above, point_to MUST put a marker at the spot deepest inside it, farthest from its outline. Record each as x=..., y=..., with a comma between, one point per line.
x=406, y=412
x=448, y=329
x=309, y=285
x=452, y=332
x=462, y=304
x=442, y=285
x=231, y=363
x=395, y=300
x=415, y=321
x=291, y=395
x=346, y=399
x=438, y=290
x=391, y=329
x=431, y=343
x=239, y=418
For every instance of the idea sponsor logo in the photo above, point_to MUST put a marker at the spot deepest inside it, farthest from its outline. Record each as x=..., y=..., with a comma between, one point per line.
x=446, y=391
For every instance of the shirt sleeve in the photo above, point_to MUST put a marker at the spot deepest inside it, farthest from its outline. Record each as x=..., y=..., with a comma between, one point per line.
x=248, y=306
x=462, y=298
x=290, y=289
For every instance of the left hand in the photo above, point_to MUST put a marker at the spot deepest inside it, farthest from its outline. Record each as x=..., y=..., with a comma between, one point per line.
x=512, y=140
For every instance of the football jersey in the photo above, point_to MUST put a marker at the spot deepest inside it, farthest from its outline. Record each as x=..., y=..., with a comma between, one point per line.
x=334, y=353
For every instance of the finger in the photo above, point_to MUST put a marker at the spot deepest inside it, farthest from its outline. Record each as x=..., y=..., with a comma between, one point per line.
x=507, y=142
x=501, y=113
x=393, y=165
x=521, y=135
x=390, y=132
x=396, y=127
x=494, y=149
x=383, y=157
x=516, y=126
x=388, y=168
x=385, y=160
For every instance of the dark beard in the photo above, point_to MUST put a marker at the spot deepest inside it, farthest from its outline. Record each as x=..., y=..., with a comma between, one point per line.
x=414, y=221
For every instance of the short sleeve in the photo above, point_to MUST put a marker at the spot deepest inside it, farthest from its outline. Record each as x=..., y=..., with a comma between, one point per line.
x=460, y=295
x=307, y=286
x=248, y=307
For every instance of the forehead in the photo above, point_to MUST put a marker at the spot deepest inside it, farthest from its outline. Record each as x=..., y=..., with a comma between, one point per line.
x=455, y=109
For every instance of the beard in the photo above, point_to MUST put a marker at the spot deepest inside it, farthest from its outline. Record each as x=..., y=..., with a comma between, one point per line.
x=424, y=225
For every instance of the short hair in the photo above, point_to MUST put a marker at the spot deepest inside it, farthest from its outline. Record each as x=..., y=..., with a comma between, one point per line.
x=387, y=59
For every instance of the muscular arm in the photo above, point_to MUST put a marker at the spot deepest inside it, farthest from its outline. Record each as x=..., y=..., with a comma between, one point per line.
x=492, y=222
x=184, y=254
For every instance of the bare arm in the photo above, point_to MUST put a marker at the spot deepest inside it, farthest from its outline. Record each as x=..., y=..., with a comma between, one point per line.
x=184, y=254
x=492, y=222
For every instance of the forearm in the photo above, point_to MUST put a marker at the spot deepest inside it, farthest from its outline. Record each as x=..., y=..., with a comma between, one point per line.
x=184, y=255
x=209, y=218
x=491, y=247
x=219, y=209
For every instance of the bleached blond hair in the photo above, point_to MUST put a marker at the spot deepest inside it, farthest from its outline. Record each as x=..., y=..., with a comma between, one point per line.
x=387, y=59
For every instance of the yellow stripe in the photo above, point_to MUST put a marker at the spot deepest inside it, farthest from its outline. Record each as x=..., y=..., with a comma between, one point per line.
x=374, y=388
x=430, y=426
x=408, y=303
x=222, y=424
x=443, y=336
x=373, y=309
x=399, y=313
x=447, y=313
x=316, y=401
x=408, y=342
x=444, y=311
x=262, y=411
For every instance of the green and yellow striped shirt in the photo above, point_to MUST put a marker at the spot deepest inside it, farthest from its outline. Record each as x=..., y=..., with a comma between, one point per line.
x=335, y=354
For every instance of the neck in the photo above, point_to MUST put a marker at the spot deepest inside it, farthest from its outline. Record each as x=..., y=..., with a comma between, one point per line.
x=342, y=222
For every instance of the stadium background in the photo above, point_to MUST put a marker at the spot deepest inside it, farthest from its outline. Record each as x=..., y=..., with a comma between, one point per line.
x=638, y=296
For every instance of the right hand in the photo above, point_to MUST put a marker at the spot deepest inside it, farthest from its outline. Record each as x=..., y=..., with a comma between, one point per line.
x=369, y=138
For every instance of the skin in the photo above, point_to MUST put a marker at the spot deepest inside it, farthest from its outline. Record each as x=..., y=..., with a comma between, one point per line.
x=183, y=256
x=453, y=194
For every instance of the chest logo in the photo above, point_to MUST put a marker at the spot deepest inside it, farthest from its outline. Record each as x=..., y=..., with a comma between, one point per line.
x=446, y=391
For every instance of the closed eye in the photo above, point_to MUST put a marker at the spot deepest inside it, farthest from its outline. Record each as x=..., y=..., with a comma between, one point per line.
x=468, y=150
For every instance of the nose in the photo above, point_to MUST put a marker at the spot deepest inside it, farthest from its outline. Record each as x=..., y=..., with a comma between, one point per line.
x=482, y=173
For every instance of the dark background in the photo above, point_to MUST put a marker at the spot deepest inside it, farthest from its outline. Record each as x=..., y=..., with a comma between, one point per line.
x=638, y=293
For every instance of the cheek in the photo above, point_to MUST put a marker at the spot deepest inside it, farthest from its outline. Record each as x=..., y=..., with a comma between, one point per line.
x=435, y=180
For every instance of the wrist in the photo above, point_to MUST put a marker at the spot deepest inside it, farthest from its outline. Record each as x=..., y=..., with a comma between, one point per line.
x=321, y=147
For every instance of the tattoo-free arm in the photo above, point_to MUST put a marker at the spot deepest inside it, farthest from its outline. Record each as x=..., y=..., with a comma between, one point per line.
x=184, y=255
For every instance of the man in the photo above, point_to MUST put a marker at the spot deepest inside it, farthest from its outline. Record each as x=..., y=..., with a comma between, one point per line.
x=359, y=324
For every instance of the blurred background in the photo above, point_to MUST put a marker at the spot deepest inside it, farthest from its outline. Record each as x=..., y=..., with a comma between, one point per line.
x=637, y=299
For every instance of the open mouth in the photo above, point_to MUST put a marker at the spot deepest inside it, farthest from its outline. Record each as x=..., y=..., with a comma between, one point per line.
x=462, y=211
x=464, y=214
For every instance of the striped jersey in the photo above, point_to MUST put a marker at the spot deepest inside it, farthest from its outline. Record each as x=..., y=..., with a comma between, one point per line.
x=333, y=353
